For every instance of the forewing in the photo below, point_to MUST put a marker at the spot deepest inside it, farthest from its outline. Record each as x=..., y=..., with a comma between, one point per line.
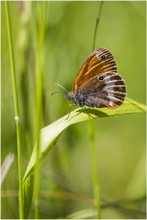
x=106, y=89
x=100, y=61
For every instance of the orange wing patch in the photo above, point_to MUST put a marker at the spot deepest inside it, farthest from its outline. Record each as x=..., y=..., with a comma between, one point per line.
x=100, y=61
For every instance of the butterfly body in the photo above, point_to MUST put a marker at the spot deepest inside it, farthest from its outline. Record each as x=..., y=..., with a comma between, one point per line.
x=98, y=84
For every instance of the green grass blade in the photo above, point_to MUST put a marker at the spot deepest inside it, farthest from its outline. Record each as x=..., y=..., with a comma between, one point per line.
x=50, y=134
x=16, y=107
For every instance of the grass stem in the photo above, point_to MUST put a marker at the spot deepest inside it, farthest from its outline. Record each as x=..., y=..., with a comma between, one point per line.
x=40, y=36
x=95, y=178
x=16, y=106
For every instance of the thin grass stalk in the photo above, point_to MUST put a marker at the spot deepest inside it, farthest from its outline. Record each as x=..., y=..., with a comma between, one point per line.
x=38, y=128
x=16, y=107
x=40, y=33
x=97, y=23
x=95, y=178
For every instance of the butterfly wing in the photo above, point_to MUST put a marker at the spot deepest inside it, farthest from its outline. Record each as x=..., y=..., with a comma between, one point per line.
x=100, y=61
x=106, y=89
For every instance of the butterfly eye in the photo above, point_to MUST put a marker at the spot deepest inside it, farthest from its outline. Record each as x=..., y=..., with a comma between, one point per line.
x=103, y=57
x=101, y=78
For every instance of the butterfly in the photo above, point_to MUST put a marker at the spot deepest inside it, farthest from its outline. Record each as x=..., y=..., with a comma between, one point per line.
x=97, y=83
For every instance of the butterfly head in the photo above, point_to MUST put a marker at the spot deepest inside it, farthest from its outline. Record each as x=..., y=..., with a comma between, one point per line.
x=70, y=96
x=77, y=98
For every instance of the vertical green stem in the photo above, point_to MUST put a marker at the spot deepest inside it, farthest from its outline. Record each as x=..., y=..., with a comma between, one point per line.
x=16, y=106
x=96, y=189
x=97, y=23
x=40, y=34
x=38, y=128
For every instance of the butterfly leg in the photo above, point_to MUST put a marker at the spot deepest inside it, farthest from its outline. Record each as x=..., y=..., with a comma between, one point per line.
x=89, y=115
x=69, y=110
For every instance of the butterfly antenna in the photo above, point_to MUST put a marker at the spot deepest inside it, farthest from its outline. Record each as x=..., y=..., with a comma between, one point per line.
x=97, y=23
x=55, y=93
x=57, y=84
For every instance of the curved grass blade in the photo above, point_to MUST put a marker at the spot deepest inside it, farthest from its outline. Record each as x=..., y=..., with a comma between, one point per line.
x=50, y=134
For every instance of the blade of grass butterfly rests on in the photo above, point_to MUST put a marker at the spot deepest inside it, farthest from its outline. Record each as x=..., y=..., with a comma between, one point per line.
x=51, y=133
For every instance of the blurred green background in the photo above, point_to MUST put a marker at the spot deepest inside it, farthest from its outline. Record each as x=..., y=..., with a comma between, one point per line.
x=66, y=182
